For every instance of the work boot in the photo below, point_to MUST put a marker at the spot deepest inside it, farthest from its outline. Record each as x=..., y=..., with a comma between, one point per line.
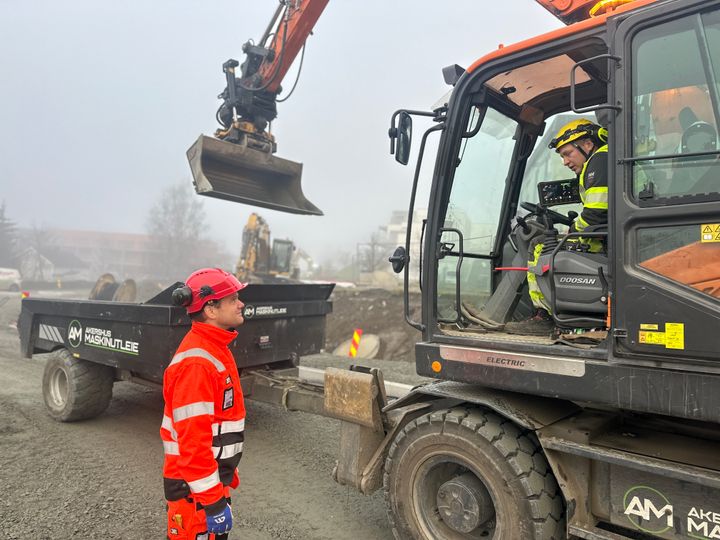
x=540, y=324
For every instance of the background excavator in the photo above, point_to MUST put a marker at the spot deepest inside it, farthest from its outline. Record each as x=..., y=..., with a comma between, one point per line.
x=263, y=260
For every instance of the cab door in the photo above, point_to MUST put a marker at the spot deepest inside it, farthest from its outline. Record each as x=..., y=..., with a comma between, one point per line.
x=666, y=197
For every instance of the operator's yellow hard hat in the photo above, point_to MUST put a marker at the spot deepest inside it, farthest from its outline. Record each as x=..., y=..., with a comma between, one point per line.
x=578, y=129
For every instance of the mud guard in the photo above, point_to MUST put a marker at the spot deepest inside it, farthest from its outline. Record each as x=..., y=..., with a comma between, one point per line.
x=238, y=173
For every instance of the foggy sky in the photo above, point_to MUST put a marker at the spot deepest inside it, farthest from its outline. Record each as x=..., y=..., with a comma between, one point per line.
x=100, y=100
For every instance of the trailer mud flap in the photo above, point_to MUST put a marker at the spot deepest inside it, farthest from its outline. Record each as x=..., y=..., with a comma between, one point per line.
x=238, y=173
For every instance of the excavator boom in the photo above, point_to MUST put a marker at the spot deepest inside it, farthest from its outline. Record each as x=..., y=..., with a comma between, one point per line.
x=238, y=163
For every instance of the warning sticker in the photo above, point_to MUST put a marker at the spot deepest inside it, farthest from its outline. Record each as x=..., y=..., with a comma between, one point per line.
x=652, y=338
x=672, y=338
x=649, y=327
x=710, y=232
x=674, y=335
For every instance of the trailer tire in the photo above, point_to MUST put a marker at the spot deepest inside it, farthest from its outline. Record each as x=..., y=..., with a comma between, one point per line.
x=76, y=389
x=493, y=476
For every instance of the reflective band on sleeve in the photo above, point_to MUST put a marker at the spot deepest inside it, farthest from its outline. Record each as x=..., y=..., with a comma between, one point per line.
x=580, y=224
x=215, y=429
x=228, y=451
x=171, y=448
x=232, y=426
x=203, y=484
x=167, y=423
x=596, y=198
x=195, y=353
x=193, y=409
x=231, y=450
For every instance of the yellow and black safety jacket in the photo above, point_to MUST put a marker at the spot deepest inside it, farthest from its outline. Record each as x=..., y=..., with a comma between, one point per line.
x=594, y=197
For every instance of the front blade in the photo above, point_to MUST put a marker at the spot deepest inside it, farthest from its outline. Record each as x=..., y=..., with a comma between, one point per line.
x=235, y=172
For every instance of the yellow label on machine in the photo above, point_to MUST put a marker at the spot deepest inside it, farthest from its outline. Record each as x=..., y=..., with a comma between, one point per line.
x=710, y=232
x=649, y=327
x=652, y=338
x=672, y=338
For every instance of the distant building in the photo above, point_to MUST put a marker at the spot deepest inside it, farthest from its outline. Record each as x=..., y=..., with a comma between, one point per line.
x=84, y=255
x=393, y=234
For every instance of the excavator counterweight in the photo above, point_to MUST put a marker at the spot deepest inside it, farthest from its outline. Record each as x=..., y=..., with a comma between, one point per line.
x=239, y=173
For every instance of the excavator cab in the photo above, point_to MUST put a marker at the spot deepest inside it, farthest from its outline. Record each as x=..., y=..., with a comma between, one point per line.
x=498, y=186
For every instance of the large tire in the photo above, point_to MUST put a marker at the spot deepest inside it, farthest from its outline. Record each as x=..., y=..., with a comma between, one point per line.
x=493, y=476
x=76, y=389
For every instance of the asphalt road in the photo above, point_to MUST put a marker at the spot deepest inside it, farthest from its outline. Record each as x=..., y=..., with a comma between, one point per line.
x=101, y=478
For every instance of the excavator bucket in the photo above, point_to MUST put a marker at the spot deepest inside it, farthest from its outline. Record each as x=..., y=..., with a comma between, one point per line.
x=235, y=172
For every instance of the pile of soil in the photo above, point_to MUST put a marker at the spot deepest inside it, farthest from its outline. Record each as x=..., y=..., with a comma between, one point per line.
x=375, y=311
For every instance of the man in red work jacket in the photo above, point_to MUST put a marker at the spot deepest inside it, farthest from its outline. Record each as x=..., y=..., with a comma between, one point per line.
x=204, y=417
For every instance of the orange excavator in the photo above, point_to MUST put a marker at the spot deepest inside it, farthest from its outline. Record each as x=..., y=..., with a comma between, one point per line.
x=608, y=426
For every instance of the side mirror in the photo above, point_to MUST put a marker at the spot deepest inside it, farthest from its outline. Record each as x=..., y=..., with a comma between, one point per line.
x=403, y=135
x=398, y=259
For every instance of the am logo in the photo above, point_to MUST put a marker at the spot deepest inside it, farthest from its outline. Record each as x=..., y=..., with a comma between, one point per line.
x=648, y=509
x=75, y=333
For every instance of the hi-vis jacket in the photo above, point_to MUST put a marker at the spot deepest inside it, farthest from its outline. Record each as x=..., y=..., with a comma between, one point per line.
x=594, y=196
x=204, y=418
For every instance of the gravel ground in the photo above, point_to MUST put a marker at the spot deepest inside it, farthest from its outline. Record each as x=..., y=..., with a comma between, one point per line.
x=101, y=478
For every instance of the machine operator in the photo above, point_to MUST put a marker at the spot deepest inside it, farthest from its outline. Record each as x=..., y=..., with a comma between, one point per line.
x=582, y=145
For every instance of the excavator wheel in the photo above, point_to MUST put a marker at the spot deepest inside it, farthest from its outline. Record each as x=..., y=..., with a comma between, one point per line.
x=466, y=473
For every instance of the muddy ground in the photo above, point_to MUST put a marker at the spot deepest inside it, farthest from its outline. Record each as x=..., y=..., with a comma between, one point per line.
x=101, y=478
x=374, y=311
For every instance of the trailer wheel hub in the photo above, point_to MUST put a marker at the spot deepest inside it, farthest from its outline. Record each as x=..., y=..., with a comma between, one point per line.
x=58, y=388
x=464, y=503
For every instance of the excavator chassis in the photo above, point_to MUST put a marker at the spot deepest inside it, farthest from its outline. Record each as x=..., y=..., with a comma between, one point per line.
x=239, y=173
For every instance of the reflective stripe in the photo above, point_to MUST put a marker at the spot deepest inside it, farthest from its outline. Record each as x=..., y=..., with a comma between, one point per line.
x=228, y=451
x=203, y=484
x=167, y=424
x=193, y=409
x=194, y=353
x=580, y=224
x=171, y=448
x=596, y=197
x=232, y=426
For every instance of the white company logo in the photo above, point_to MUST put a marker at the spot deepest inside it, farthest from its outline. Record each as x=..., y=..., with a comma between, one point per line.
x=648, y=509
x=100, y=338
x=75, y=333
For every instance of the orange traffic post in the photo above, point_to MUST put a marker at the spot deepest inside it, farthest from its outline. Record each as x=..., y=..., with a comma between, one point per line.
x=355, y=343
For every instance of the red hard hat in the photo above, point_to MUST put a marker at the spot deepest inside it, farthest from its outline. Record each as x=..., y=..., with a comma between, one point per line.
x=204, y=285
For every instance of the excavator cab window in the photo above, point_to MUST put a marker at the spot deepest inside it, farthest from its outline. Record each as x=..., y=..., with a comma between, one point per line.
x=675, y=144
x=474, y=209
x=501, y=158
x=675, y=117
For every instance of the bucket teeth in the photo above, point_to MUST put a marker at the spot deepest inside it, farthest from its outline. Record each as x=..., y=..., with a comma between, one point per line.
x=238, y=173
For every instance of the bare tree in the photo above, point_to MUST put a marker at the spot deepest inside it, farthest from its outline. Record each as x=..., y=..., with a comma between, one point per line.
x=373, y=255
x=176, y=223
x=8, y=238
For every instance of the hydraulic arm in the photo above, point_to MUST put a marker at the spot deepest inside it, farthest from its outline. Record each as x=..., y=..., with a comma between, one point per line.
x=238, y=164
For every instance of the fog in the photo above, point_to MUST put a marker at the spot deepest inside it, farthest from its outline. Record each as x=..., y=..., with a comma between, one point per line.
x=100, y=101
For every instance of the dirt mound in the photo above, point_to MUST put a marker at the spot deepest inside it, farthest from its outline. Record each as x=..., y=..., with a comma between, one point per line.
x=375, y=311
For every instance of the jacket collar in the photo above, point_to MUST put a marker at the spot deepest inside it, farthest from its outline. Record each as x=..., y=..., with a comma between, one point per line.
x=213, y=333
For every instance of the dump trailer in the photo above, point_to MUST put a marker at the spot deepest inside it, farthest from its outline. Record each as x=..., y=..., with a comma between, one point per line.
x=97, y=342
x=607, y=427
